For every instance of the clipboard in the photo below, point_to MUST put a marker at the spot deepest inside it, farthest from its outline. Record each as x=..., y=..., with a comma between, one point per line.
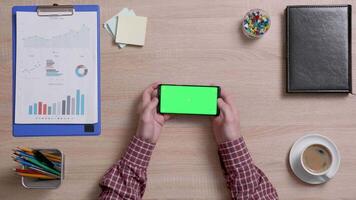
x=25, y=130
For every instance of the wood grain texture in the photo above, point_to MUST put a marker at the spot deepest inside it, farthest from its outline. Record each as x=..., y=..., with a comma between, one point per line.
x=190, y=42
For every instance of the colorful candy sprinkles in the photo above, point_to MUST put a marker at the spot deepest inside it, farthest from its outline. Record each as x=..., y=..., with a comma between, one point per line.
x=256, y=23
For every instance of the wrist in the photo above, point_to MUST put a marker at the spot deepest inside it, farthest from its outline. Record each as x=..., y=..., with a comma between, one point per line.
x=145, y=139
x=146, y=135
x=231, y=136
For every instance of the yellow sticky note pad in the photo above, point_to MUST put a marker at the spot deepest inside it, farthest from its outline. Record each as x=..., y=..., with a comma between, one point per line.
x=131, y=30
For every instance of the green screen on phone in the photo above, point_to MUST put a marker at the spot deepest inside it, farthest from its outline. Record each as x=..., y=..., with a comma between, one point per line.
x=197, y=100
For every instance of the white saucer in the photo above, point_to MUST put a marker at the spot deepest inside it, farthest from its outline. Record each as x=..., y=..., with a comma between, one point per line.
x=296, y=151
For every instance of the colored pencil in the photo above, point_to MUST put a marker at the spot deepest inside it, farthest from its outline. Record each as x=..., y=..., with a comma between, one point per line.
x=44, y=172
x=35, y=170
x=44, y=153
x=36, y=176
x=57, y=165
x=34, y=167
x=48, y=155
x=54, y=157
x=20, y=153
x=29, y=171
x=25, y=149
x=40, y=165
x=24, y=162
x=40, y=157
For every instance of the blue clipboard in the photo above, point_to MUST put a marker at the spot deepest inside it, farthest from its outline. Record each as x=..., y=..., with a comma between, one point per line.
x=23, y=130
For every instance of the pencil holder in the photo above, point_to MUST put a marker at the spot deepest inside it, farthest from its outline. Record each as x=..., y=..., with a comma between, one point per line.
x=34, y=183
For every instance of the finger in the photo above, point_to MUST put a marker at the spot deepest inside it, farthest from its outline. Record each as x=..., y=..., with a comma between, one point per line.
x=154, y=93
x=152, y=105
x=227, y=98
x=225, y=109
x=167, y=117
x=146, y=96
x=220, y=116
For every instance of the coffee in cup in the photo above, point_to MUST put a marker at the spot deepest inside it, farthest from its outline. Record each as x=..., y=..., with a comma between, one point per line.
x=316, y=159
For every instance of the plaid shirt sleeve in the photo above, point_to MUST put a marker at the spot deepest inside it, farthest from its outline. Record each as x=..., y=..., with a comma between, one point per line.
x=244, y=179
x=127, y=178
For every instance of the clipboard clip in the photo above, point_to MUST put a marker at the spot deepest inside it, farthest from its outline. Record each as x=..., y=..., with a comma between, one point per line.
x=55, y=10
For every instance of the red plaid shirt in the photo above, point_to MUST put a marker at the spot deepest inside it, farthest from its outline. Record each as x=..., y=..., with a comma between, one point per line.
x=127, y=178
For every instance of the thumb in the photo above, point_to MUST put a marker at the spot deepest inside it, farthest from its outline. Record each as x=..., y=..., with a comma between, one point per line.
x=225, y=109
x=152, y=105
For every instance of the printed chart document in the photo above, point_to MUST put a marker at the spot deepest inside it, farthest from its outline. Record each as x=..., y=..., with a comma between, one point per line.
x=56, y=69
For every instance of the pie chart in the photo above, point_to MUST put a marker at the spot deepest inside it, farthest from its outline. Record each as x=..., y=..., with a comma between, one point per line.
x=81, y=71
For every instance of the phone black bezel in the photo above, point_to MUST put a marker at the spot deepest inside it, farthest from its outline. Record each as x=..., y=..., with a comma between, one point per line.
x=159, y=99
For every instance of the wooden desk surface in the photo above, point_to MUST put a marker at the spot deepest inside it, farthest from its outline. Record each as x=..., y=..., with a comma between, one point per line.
x=190, y=42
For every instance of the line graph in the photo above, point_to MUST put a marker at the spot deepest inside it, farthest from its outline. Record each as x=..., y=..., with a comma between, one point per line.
x=70, y=39
x=31, y=69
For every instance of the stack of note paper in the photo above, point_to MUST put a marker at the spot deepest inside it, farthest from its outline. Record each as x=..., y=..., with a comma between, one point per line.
x=127, y=28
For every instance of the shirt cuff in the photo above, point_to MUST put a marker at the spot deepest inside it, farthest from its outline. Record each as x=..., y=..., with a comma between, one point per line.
x=138, y=153
x=234, y=154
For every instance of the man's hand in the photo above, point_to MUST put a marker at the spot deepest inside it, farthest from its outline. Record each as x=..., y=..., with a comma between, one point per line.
x=226, y=126
x=150, y=122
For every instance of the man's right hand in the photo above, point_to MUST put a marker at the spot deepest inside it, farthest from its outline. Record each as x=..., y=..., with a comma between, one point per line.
x=151, y=122
x=226, y=126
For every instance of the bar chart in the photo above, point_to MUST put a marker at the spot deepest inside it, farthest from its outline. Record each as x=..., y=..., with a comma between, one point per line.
x=70, y=105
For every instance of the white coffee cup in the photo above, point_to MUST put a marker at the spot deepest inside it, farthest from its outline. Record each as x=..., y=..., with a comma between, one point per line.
x=316, y=159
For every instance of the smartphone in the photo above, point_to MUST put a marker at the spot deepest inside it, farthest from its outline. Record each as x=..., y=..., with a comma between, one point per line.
x=188, y=99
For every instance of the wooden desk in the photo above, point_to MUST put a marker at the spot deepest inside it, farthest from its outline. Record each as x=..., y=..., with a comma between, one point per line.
x=190, y=42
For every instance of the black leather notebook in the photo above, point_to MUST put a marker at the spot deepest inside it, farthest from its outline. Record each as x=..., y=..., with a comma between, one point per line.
x=319, y=49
